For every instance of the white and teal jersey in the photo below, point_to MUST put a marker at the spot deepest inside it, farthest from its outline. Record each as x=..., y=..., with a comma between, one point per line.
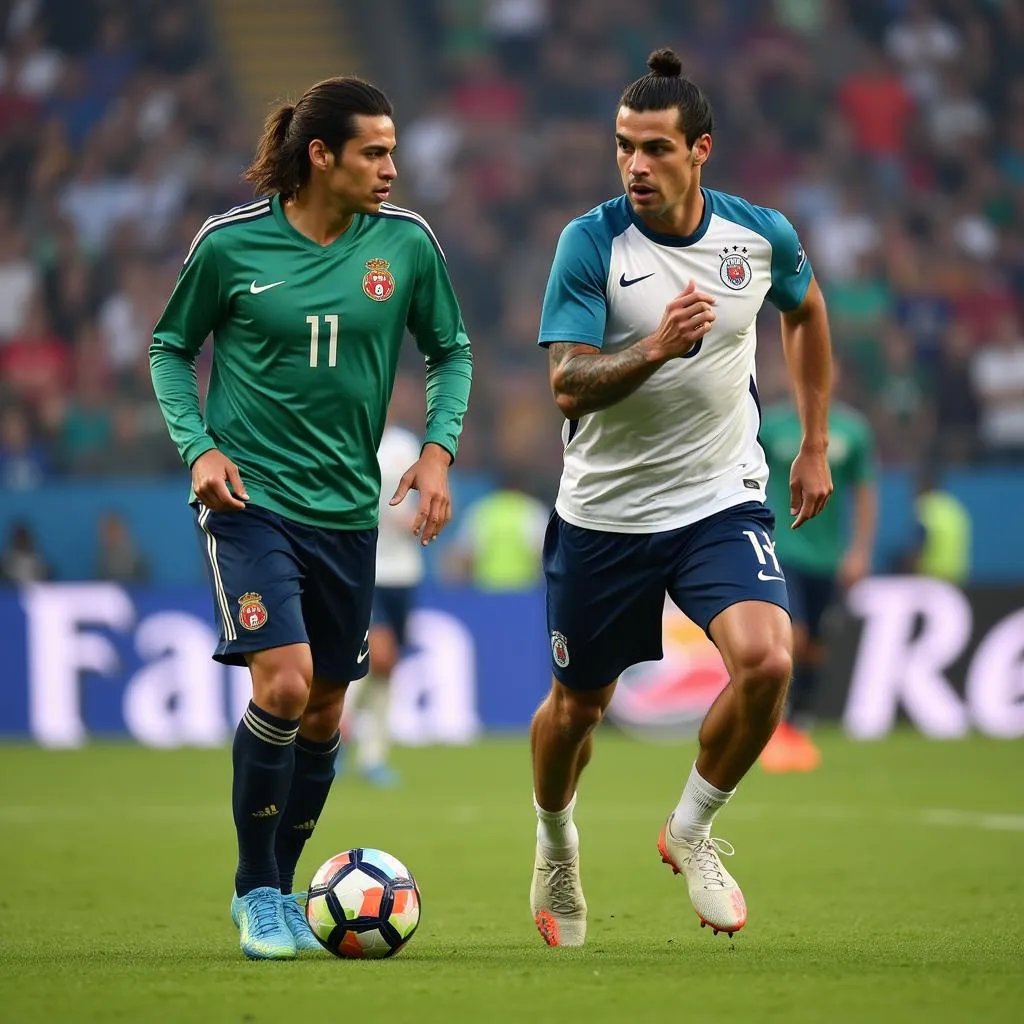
x=683, y=446
x=399, y=551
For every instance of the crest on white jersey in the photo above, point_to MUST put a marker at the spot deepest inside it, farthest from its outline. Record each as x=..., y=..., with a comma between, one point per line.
x=735, y=269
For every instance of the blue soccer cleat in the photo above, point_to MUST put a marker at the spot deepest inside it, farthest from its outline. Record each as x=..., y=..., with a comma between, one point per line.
x=380, y=775
x=259, y=916
x=294, y=906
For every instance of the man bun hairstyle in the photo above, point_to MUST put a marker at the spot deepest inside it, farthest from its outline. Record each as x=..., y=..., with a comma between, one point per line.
x=665, y=63
x=326, y=111
x=664, y=86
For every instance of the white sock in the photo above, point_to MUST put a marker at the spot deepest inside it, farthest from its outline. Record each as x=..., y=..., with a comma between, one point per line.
x=355, y=697
x=556, y=831
x=697, y=807
x=372, y=732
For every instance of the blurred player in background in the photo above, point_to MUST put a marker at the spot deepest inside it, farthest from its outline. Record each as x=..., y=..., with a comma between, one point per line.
x=942, y=532
x=497, y=545
x=830, y=553
x=649, y=319
x=399, y=572
x=308, y=292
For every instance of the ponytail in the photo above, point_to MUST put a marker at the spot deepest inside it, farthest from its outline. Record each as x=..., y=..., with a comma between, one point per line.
x=276, y=166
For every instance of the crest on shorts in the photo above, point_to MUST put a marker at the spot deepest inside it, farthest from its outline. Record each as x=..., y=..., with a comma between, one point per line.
x=253, y=612
x=559, y=649
x=378, y=284
x=735, y=269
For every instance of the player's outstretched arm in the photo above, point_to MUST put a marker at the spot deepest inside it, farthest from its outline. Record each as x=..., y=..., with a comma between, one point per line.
x=808, y=351
x=584, y=379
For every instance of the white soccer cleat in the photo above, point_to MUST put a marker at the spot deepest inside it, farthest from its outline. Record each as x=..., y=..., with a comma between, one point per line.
x=713, y=891
x=556, y=901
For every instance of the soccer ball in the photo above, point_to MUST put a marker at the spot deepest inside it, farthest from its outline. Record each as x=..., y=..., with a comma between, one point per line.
x=363, y=904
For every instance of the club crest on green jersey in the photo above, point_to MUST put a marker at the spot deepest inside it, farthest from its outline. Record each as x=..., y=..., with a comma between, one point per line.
x=253, y=613
x=378, y=284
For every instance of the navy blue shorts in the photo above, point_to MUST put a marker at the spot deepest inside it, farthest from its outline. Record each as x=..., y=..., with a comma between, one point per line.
x=606, y=591
x=278, y=582
x=391, y=608
x=810, y=596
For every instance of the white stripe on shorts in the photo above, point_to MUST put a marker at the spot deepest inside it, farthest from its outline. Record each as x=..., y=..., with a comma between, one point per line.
x=218, y=584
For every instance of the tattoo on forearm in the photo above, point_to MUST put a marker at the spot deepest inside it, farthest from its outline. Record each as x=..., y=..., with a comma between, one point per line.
x=599, y=380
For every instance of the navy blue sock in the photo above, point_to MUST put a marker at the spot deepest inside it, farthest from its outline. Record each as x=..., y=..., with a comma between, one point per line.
x=311, y=782
x=263, y=756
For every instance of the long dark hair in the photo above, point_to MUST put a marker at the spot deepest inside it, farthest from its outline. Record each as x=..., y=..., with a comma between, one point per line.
x=327, y=111
x=665, y=86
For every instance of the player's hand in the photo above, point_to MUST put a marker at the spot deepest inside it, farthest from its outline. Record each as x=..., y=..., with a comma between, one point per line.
x=429, y=476
x=687, y=318
x=212, y=472
x=853, y=568
x=810, y=485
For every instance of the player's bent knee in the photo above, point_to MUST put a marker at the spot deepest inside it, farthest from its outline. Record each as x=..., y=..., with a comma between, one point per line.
x=764, y=669
x=281, y=679
x=578, y=713
x=284, y=694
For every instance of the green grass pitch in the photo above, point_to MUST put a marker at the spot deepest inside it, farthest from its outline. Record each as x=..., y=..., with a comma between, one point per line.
x=886, y=886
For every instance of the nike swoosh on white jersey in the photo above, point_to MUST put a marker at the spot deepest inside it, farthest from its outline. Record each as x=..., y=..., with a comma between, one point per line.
x=255, y=288
x=765, y=578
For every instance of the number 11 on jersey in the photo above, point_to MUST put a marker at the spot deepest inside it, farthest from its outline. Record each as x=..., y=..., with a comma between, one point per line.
x=314, y=339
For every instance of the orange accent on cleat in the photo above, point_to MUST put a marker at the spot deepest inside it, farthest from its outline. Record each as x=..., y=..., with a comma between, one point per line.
x=547, y=926
x=663, y=850
x=739, y=904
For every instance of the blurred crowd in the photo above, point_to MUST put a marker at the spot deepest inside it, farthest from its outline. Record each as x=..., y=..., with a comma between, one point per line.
x=116, y=142
x=891, y=132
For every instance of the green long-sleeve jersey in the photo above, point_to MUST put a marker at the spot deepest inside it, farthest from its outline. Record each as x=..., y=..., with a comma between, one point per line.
x=820, y=543
x=306, y=345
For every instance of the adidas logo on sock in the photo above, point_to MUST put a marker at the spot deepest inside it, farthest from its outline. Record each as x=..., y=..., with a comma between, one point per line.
x=267, y=812
x=306, y=826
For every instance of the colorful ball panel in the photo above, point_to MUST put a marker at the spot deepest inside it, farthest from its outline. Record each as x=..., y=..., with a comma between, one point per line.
x=405, y=913
x=350, y=947
x=329, y=869
x=359, y=895
x=374, y=945
x=389, y=865
x=319, y=916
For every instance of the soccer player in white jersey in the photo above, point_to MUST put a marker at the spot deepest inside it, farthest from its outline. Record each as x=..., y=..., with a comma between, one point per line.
x=649, y=321
x=399, y=572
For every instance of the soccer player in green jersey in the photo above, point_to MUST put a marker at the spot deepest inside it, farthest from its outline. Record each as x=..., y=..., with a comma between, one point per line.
x=831, y=551
x=307, y=292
